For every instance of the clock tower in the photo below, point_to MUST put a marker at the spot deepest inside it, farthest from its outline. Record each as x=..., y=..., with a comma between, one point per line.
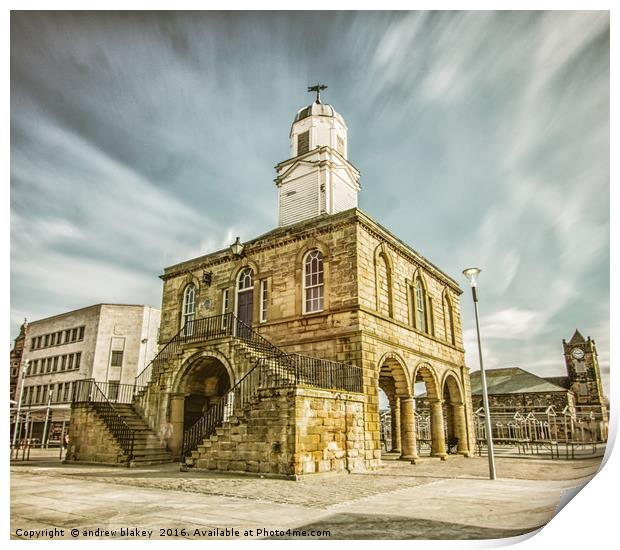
x=584, y=374
x=318, y=178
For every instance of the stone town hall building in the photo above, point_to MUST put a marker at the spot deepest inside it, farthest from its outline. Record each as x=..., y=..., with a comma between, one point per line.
x=272, y=352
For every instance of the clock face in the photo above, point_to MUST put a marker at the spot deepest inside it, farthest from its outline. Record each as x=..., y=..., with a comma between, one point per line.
x=577, y=353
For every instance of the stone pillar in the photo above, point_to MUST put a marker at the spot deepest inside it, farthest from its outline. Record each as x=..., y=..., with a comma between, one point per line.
x=177, y=413
x=407, y=429
x=438, y=436
x=396, y=445
x=460, y=428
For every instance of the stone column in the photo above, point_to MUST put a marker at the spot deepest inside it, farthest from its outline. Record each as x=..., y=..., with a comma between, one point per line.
x=177, y=412
x=395, y=425
x=438, y=436
x=460, y=428
x=407, y=430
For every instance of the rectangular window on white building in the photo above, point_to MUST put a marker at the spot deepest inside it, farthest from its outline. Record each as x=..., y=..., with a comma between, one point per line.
x=117, y=359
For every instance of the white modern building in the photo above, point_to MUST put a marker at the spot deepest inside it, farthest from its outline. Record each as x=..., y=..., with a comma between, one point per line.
x=111, y=343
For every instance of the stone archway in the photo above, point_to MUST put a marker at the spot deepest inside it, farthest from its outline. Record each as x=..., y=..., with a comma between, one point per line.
x=393, y=381
x=425, y=373
x=201, y=383
x=454, y=413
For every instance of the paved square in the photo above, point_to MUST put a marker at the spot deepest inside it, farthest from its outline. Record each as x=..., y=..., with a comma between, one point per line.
x=431, y=499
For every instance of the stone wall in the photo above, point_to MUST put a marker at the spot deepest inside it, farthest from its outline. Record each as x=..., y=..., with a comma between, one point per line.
x=259, y=439
x=89, y=438
x=287, y=433
x=329, y=432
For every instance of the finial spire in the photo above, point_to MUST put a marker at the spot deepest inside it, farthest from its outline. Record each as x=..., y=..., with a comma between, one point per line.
x=317, y=88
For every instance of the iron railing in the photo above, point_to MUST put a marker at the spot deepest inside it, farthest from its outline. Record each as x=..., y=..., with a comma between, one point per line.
x=331, y=375
x=200, y=330
x=305, y=370
x=89, y=391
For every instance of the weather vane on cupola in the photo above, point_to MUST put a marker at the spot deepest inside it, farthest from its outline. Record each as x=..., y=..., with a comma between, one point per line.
x=317, y=88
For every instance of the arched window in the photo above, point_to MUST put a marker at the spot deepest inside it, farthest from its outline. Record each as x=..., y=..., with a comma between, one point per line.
x=245, y=281
x=313, y=282
x=448, y=320
x=189, y=309
x=420, y=306
x=384, y=286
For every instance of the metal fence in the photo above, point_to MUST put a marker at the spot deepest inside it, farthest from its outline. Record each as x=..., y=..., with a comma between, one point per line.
x=541, y=430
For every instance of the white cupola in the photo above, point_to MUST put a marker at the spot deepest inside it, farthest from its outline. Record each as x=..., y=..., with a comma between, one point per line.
x=318, y=178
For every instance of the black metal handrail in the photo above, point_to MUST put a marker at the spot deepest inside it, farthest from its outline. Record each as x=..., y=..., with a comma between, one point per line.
x=199, y=330
x=88, y=391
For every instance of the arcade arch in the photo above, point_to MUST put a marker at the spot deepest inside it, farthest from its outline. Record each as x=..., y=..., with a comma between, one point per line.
x=204, y=381
x=454, y=414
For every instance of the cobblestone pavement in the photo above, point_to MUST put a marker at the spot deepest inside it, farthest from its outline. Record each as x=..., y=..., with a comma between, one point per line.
x=458, y=499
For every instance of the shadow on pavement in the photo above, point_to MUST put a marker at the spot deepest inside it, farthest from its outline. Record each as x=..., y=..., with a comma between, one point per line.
x=362, y=526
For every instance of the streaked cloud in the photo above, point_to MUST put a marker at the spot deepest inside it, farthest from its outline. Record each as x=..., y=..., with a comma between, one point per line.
x=143, y=139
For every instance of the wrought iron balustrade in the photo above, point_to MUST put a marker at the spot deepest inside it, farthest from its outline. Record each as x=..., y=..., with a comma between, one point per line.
x=305, y=370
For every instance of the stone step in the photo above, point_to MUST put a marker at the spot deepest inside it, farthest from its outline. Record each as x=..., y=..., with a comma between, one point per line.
x=151, y=456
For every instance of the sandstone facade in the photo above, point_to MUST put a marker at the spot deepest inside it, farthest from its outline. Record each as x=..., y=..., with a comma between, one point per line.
x=371, y=317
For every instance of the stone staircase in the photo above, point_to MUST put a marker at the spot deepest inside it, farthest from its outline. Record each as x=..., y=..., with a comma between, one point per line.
x=147, y=448
x=251, y=439
x=266, y=372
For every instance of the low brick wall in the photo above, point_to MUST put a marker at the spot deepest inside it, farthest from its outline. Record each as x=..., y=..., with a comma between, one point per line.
x=89, y=438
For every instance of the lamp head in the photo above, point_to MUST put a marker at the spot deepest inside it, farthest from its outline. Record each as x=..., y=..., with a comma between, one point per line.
x=471, y=274
x=236, y=248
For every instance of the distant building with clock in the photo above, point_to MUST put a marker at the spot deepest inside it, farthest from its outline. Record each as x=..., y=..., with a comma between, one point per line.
x=581, y=390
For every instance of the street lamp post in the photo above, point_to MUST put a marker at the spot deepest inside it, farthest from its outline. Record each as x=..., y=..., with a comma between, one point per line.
x=47, y=416
x=472, y=276
x=16, y=428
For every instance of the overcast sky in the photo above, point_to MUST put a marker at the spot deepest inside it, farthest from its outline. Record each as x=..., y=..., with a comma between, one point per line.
x=140, y=140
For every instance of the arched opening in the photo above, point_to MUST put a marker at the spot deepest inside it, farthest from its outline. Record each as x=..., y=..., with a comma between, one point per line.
x=205, y=383
x=394, y=404
x=429, y=412
x=455, y=426
x=385, y=418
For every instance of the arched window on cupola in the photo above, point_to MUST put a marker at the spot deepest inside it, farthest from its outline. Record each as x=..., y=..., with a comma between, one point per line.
x=189, y=309
x=313, y=282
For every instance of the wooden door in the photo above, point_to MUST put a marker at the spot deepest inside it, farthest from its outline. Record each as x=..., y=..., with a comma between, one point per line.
x=245, y=303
